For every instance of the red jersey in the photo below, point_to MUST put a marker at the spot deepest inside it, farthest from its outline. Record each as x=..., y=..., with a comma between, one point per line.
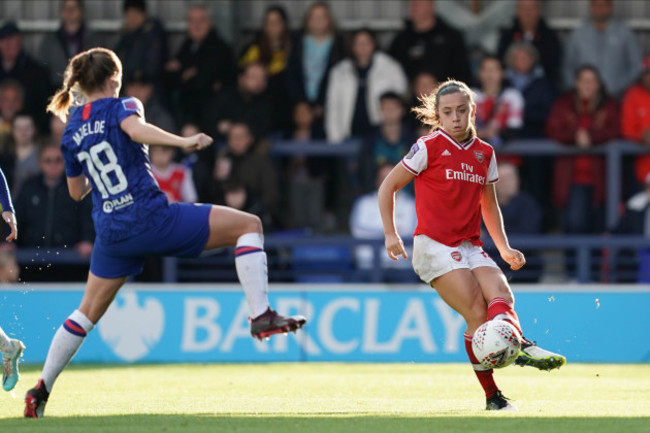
x=449, y=186
x=176, y=182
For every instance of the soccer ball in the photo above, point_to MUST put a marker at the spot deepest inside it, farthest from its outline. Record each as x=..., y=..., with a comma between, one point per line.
x=496, y=344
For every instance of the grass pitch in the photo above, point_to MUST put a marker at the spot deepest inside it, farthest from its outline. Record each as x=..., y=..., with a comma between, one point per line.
x=313, y=398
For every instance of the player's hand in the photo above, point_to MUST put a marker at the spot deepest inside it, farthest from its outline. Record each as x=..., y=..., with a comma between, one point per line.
x=198, y=142
x=514, y=258
x=10, y=219
x=395, y=247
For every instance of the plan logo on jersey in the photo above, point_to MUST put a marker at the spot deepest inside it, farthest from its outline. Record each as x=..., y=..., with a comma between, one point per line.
x=479, y=155
x=446, y=153
x=412, y=152
x=118, y=203
x=132, y=329
x=456, y=256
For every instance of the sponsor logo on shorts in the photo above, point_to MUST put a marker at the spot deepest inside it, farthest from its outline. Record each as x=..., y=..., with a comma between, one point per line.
x=456, y=256
x=479, y=155
x=118, y=203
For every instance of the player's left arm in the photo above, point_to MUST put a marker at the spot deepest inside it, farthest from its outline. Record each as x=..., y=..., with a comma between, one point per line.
x=494, y=223
x=142, y=132
x=8, y=211
x=79, y=187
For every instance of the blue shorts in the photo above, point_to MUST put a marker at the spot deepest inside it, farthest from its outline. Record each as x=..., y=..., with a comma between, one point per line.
x=183, y=233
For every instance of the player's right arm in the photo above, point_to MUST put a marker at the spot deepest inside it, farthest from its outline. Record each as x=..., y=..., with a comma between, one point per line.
x=78, y=187
x=396, y=180
x=142, y=132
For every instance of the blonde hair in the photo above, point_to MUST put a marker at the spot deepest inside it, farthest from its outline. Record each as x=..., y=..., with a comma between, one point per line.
x=428, y=112
x=86, y=73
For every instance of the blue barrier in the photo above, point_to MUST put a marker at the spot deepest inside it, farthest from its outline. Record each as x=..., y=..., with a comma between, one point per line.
x=198, y=323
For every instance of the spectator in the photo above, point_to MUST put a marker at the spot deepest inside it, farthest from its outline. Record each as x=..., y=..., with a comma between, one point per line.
x=521, y=215
x=17, y=64
x=634, y=265
x=499, y=109
x=248, y=103
x=365, y=223
x=529, y=26
x=9, y=270
x=584, y=117
x=314, y=50
x=142, y=45
x=424, y=83
x=11, y=103
x=25, y=152
x=57, y=127
x=388, y=142
x=201, y=69
x=141, y=86
x=271, y=47
x=635, y=118
x=636, y=108
x=606, y=43
x=356, y=84
x=174, y=179
x=526, y=75
x=304, y=176
x=47, y=214
x=71, y=38
x=429, y=44
x=239, y=163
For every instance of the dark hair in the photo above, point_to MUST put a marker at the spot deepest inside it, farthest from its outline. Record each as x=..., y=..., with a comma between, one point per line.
x=88, y=71
x=391, y=96
x=141, y=5
x=80, y=3
x=356, y=33
x=10, y=82
x=266, y=50
x=601, y=97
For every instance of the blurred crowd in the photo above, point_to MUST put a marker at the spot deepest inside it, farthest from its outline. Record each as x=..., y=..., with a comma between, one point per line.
x=317, y=84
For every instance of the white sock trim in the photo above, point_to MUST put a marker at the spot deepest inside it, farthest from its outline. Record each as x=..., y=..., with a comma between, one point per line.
x=251, y=240
x=82, y=320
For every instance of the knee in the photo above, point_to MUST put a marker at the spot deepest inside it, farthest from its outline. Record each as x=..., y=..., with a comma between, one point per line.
x=253, y=224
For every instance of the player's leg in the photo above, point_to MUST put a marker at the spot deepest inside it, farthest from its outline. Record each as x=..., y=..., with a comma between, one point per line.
x=501, y=306
x=460, y=290
x=12, y=350
x=99, y=294
x=231, y=227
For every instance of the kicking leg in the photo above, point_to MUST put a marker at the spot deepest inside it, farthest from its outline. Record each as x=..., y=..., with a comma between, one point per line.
x=99, y=294
x=230, y=227
x=501, y=306
x=12, y=350
x=460, y=290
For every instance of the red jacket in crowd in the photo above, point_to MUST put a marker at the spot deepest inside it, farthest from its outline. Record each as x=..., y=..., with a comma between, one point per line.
x=603, y=124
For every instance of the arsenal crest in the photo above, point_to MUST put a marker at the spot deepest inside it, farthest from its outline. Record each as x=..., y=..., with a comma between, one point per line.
x=479, y=155
x=456, y=256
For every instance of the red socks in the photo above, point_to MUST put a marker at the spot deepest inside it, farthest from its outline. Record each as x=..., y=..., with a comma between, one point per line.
x=502, y=309
x=485, y=376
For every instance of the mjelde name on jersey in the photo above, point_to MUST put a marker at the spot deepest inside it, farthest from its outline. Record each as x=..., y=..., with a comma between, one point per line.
x=87, y=129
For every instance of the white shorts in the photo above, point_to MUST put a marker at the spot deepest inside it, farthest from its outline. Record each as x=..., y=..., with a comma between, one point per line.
x=432, y=259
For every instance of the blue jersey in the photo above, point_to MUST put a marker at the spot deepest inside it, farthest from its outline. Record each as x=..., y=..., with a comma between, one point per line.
x=126, y=197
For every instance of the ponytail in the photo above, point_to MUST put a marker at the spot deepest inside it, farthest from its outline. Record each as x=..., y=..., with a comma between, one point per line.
x=86, y=73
